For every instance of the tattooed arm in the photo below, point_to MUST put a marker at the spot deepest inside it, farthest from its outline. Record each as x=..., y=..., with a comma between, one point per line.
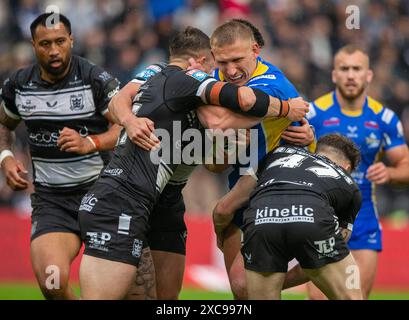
x=12, y=168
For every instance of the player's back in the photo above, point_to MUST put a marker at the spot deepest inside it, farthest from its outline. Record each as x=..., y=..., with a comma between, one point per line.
x=168, y=99
x=293, y=171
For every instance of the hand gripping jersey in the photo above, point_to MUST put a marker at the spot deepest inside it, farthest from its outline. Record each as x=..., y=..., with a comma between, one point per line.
x=293, y=171
x=78, y=101
x=374, y=129
x=272, y=81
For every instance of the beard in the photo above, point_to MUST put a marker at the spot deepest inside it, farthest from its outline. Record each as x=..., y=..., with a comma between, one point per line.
x=354, y=95
x=56, y=71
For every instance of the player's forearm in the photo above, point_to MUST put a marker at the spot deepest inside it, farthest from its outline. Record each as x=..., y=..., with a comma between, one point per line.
x=215, y=117
x=120, y=108
x=6, y=138
x=399, y=174
x=120, y=105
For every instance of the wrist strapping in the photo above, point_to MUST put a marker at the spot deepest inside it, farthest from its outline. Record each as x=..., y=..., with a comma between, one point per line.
x=4, y=154
x=95, y=142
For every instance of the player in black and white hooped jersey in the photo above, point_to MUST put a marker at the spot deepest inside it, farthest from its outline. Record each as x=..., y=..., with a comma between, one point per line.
x=63, y=101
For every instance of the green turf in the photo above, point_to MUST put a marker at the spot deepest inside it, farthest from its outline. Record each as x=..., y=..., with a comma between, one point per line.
x=31, y=292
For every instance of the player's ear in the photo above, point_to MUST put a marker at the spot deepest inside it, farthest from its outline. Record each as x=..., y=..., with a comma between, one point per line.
x=333, y=76
x=256, y=49
x=369, y=76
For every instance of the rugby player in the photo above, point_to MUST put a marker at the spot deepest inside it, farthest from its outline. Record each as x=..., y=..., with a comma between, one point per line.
x=63, y=100
x=303, y=207
x=376, y=130
x=236, y=47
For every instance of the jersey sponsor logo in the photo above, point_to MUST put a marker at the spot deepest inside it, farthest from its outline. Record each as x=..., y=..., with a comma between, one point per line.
x=352, y=132
x=113, y=92
x=387, y=116
x=371, y=125
x=399, y=128
x=76, y=81
x=265, y=76
x=248, y=258
x=372, y=141
x=311, y=113
x=145, y=74
x=331, y=122
x=44, y=138
x=105, y=76
x=114, y=172
x=27, y=105
x=52, y=105
x=325, y=248
x=88, y=202
x=358, y=176
x=295, y=213
x=137, y=248
x=197, y=74
x=76, y=102
x=98, y=240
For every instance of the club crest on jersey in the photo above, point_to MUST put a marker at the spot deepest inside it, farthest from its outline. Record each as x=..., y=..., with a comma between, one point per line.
x=77, y=102
x=197, y=74
x=331, y=122
x=372, y=141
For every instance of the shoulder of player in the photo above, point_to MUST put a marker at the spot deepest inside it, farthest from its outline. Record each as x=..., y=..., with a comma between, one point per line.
x=267, y=73
x=383, y=117
x=324, y=102
x=384, y=114
x=21, y=77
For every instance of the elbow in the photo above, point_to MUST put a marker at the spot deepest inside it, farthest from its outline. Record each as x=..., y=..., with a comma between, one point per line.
x=223, y=209
x=247, y=98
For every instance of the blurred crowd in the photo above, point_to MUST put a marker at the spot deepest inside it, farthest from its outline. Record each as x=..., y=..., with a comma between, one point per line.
x=301, y=37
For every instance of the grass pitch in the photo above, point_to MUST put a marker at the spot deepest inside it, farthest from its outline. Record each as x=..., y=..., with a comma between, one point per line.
x=29, y=291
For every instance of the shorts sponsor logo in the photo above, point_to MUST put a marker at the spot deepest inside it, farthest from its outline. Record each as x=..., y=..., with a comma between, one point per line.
x=88, y=202
x=137, y=248
x=114, y=172
x=98, y=240
x=34, y=227
x=295, y=213
x=372, y=238
x=124, y=224
x=325, y=248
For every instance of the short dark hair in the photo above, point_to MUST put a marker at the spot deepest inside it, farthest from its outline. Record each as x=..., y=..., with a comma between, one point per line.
x=188, y=42
x=42, y=20
x=345, y=146
x=256, y=32
x=234, y=29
